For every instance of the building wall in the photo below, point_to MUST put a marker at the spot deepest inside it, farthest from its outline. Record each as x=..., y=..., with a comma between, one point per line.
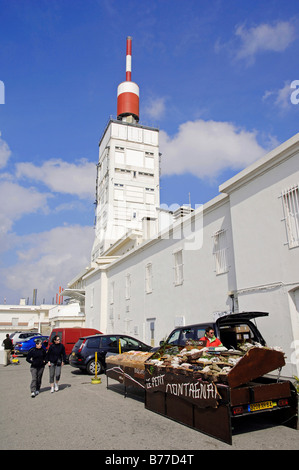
x=134, y=306
x=96, y=300
x=23, y=318
x=242, y=253
x=267, y=269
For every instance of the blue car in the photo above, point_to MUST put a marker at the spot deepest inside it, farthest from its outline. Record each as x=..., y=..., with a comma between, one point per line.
x=29, y=343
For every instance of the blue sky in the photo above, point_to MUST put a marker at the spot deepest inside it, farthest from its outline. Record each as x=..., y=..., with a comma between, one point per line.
x=215, y=77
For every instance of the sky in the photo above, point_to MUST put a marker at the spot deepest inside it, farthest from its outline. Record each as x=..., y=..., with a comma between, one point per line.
x=219, y=79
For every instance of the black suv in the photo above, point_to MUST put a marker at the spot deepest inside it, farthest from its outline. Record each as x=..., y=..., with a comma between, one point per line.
x=83, y=353
x=230, y=329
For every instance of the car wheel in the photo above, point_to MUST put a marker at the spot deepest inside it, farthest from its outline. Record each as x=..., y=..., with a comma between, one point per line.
x=91, y=367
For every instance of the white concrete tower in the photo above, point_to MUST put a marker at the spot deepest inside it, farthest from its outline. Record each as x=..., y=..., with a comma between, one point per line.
x=128, y=174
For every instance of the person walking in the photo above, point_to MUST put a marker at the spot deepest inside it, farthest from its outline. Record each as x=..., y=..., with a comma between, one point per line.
x=56, y=358
x=37, y=358
x=8, y=347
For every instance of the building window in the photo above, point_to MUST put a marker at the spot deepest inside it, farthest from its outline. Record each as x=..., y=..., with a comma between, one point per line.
x=220, y=252
x=112, y=293
x=111, y=313
x=92, y=297
x=128, y=286
x=149, y=278
x=178, y=267
x=290, y=202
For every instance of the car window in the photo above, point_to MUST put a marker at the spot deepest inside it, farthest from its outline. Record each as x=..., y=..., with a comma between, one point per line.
x=199, y=333
x=109, y=342
x=93, y=343
x=128, y=343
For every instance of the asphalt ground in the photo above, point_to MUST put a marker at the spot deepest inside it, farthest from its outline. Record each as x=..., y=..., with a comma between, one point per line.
x=86, y=416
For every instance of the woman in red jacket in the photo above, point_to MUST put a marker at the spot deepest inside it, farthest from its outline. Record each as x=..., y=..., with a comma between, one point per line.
x=211, y=339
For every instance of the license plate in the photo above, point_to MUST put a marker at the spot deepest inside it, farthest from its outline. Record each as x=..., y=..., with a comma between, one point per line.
x=261, y=406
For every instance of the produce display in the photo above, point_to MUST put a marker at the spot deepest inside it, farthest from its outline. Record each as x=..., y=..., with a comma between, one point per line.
x=216, y=364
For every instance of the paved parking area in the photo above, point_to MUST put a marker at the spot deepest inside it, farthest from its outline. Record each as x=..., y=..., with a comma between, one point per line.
x=89, y=416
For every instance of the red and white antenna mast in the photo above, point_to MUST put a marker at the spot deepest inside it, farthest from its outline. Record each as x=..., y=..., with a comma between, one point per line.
x=128, y=91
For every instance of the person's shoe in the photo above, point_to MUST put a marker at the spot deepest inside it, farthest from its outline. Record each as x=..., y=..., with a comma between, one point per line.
x=52, y=389
x=56, y=387
x=32, y=394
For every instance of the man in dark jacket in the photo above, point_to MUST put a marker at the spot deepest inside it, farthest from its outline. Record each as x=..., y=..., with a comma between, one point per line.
x=8, y=346
x=37, y=358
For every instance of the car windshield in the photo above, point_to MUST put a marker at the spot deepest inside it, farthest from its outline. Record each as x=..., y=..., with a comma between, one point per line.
x=79, y=342
x=174, y=337
x=179, y=337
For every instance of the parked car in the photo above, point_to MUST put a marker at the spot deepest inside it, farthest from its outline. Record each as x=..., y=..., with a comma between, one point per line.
x=24, y=347
x=69, y=336
x=83, y=354
x=22, y=335
x=230, y=329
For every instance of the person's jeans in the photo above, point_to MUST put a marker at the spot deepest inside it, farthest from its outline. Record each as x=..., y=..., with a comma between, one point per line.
x=37, y=374
x=54, y=372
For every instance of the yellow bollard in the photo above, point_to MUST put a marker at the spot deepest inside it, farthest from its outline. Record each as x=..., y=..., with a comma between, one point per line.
x=96, y=379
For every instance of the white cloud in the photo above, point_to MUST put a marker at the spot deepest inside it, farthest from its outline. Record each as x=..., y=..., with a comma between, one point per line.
x=18, y=201
x=46, y=261
x=4, y=153
x=155, y=108
x=205, y=148
x=282, y=97
x=63, y=177
x=264, y=37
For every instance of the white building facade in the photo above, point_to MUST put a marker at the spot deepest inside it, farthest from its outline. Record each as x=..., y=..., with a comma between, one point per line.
x=238, y=252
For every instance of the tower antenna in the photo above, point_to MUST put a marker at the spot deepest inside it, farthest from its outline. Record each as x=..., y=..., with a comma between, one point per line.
x=128, y=92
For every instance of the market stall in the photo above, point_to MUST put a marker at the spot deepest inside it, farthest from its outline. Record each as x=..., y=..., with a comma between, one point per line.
x=207, y=388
